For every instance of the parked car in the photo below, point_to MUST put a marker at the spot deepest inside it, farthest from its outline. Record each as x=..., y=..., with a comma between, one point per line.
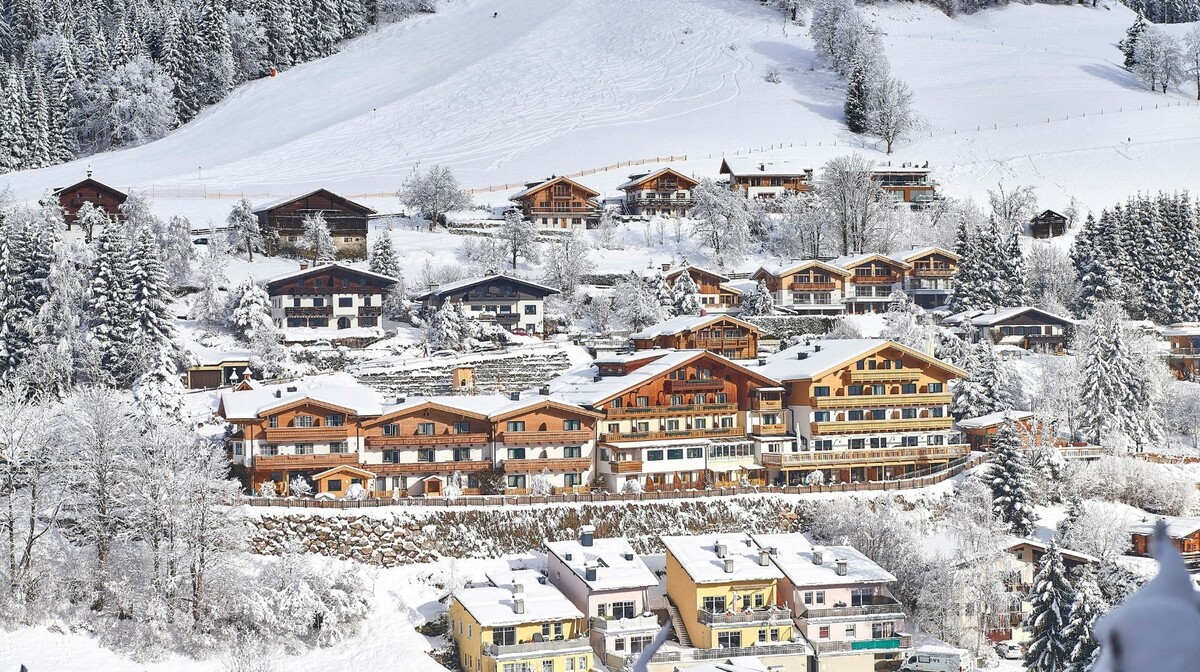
x=520, y=332
x=935, y=659
x=1009, y=651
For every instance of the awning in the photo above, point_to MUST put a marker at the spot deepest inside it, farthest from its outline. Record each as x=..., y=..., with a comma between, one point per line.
x=751, y=467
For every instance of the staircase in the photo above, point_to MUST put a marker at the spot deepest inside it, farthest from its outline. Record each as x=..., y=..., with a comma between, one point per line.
x=677, y=625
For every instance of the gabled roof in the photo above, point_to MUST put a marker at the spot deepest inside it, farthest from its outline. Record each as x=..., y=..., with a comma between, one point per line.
x=919, y=252
x=314, y=270
x=1049, y=212
x=341, y=468
x=1183, y=329
x=89, y=182
x=592, y=193
x=529, y=402
x=635, y=180
x=702, y=271
x=451, y=287
x=697, y=555
x=617, y=566
x=335, y=391
x=685, y=323
x=493, y=605
x=1178, y=527
x=746, y=165
x=795, y=558
x=854, y=260
x=778, y=270
x=823, y=356
x=271, y=205
x=471, y=407
x=996, y=315
x=994, y=419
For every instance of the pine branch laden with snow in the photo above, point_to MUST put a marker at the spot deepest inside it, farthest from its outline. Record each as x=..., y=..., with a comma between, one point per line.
x=317, y=239
x=251, y=311
x=1008, y=476
x=1080, y=637
x=1049, y=616
x=244, y=231
x=382, y=258
x=986, y=388
x=758, y=301
x=209, y=307
x=685, y=295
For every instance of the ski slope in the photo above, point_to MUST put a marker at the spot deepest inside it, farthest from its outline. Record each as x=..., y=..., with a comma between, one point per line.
x=553, y=88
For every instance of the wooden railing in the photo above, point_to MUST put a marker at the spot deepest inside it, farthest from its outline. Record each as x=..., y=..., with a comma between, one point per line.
x=370, y=311
x=449, y=467
x=323, y=433
x=769, y=430
x=314, y=461
x=861, y=426
x=556, y=437
x=721, y=343
x=649, y=411
x=884, y=375
x=813, y=286
x=426, y=440
x=766, y=405
x=932, y=272
x=876, y=400
x=875, y=279
x=554, y=464
x=625, y=467
x=672, y=434
x=696, y=385
x=817, y=458
x=307, y=311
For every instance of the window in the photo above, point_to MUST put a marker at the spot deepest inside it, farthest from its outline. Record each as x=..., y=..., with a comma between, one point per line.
x=908, y=413
x=808, y=597
x=937, y=411
x=722, y=398
x=714, y=605
x=531, y=309
x=821, y=391
x=675, y=454
x=390, y=429
x=878, y=442
x=878, y=389
x=338, y=447
x=729, y=640
x=571, y=425
x=345, y=302
x=851, y=631
x=506, y=309
x=304, y=421
x=762, y=636
x=854, y=415
x=335, y=420
x=823, y=444
x=643, y=402
x=935, y=440
x=426, y=456
x=304, y=449
x=695, y=453
x=517, y=482
x=935, y=388
x=908, y=388
x=273, y=422
x=334, y=485
x=676, y=399
x=882, y=630
x=425, y=429
x=516, y=425
x=879, y=414
x=758, y=600
x=319, y=302
x=857, y=444
x=391, y=457
x=672, y=425
x=572, y=451
x=462, y=427
x=623, y=610
x=237, y=447
x=642, y=426
x=462, y=454
x=654, y=455
x=821, y=416
x=516, y=453
x=908, y=441
x=855, y=390
x=506, y=636
x=819, y=596
x=701, y=398
x=572, y=479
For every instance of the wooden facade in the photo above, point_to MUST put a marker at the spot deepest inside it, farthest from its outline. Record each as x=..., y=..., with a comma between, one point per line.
x=808, y=288
x=715, y=295
x=906, y=184
x=282, y=223
x=328, y=296
x=1048, y=224
x=1183, y=353
x=100, y=195
x=211, y=375
x=515, y=304
x=1184, y=534
x=1027, y=327
x=766, y=179
x=873, y=279
x=721, y=334
x=558, y=203
x=551, y=440
x=930, y=276
x=664, y=193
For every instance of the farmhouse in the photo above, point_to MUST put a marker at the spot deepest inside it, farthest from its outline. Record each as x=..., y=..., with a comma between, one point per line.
x=558, y=203
x=329, y=295
x=663, y=193
x=716, y=295
x=510, y=302
x=723, y=334
x=766, y=178
x=282, y=222
x=1048, y=224
x=1024, y=326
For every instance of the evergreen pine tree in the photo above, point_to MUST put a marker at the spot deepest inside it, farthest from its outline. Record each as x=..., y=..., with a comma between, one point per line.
x=215, y=55
x=1097, y=279
x=1128, y=45
x=252, y=311
x=1008, y=476
x=383, y=259
x=1073, y=513
x=758, y=301
x=1080, y=635
x=1049, y=615
x=280, y=33
x=857, y=98
x=446, y=327
x=685, y=295
x=657, y=284
x=151, y=316
x=1013, y=292
x=1112, y=380
x=985, y=390
x=110, y=312
x=244, y=233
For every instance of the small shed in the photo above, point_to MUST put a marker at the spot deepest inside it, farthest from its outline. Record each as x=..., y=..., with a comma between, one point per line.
x=337, y=480
x=1048, y=224
x=1183, y=532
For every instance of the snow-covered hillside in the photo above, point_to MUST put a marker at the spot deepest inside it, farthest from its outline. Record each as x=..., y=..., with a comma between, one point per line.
x=560, y=87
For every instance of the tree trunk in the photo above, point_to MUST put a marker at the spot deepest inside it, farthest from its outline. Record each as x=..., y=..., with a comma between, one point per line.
x=250, y=249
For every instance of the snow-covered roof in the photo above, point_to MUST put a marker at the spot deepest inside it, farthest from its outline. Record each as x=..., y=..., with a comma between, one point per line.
x=795, y=557
x=782, y=167
x=617, y=566
x=300, y=272
x=820, y=356
x=212, y=356
x=451, y=287
x=697, y=555
x=493, y=605
x=1183, y=329
x=1177, y=527
x=949, y=545
x=683, y=323
x=548, y=181
x=915, y=170
x=916, y=253
x=638, y=178
x=288, y=199
x=784, y=267
x=988, y=318
x=993, y=419
x=340, y=390
x=852, y=260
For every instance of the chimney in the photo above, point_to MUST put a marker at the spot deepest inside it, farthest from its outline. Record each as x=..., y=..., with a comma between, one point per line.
x=762, y=167
x=597, y=378
x=519, y=588
x=817, y=347
x=278, y=393
x=589, y=571
x=721, y=549
x=764, y=557
x=762, y=361
x=841, y=567
x=818, y=553
x=628, y=556
x=291, y=388
x=666, y=266
x=304, y=265
x=587, y=534
x=728, y=565
x=544, y=390
x=246, y=374
x=514, y=396
x=801, y=355
x=568, y=556
x=773, y=550
x=400, y=400
x=89, y=172
x=518, y=602
x=703, y=313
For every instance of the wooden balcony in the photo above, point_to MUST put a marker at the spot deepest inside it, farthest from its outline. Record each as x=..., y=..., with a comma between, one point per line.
x=875, y=279
x=426, y=440
x=572, y=438
x=722, y=343
x=778, y=428
x=757, y=404
x=1184, y=353
x=447, y=467
x=673, y=434
x=625, y=467
x=322, y=434
x=885, y=375
x=813, y=286
x=682, y=409
x=862, y=426
x=696, y=385
x=879, y=607
x=827, y=457
x=555, y=465
x=370, y=311
x=322, y=461
x=308, y=311
x=932, y=272
x=876, y=400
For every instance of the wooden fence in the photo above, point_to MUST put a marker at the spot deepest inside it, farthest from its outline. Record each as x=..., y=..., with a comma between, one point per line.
x=953, y=469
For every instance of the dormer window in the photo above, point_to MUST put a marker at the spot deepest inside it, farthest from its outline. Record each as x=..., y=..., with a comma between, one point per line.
x=273, y=422
x=305, y=421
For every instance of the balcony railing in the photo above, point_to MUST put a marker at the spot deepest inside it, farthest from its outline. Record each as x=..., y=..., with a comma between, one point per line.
x=572, y=437
x=553, y=645
x=779, y=613
x=879, y=608
x=813, y=286
x=766, y=404
x=307, y=311
x=625, y=467
x=442, y=467
x=1184, y=352
x=672, y=434
x=370, y=311
x=932, y=272
x=682, y=409
x=681, y=655
x=818, y=458
x=876, y=400
x=643, y=622
x=313, y=461
x=875, y=279
x=696, y=385
x=861, y=426
x=884, y=375
x=722, y=343
x=889, y=643
x=426, y=440
x=323, y=433
x=557, y=465
x=778, y=428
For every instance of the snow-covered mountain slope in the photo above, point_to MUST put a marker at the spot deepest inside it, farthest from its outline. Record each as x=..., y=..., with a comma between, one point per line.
x=574, y=84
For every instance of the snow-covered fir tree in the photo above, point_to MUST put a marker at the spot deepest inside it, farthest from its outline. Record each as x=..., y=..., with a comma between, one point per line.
x=758, y=301
x=1115, y=383
x=317, y=239
x=1008, y=475
x=1080, y=636
x=251, y=311
x=985, y=389
x=110, y=314
x=657, y=283
x=383, y=258
x=857, y=102
x=607, y=228
x=175, y=245
x=685, y=295
x=92, y=220
x=1049, y=615
x=244, y=232
x=446, y=327
x=210, y=305
x=518, y=238
x=1128, y=45
x=907, y=324
x=636, y=306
